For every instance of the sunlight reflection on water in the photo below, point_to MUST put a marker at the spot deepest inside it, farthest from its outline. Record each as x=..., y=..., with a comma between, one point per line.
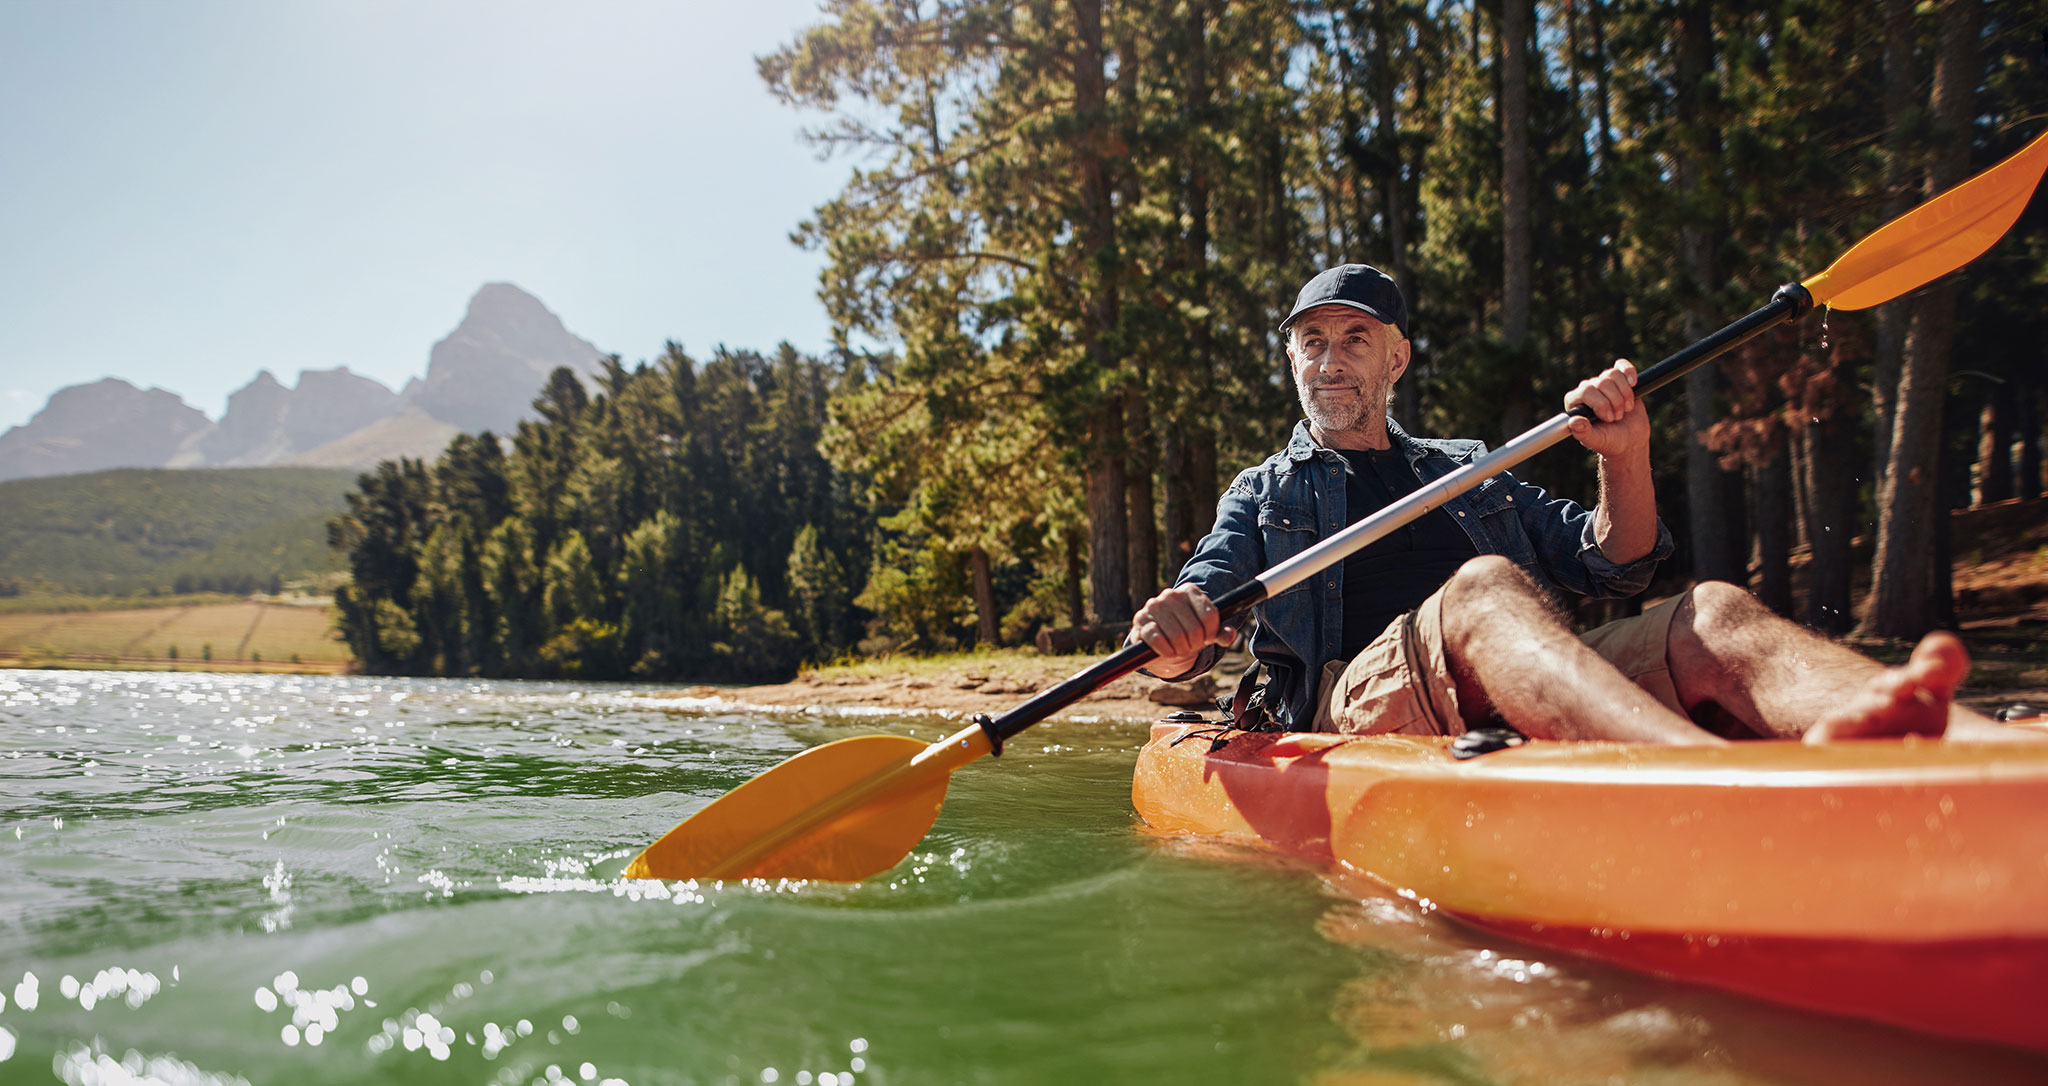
x=322, y=828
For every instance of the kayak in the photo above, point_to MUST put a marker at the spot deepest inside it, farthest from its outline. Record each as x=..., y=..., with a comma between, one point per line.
x=1903, y=882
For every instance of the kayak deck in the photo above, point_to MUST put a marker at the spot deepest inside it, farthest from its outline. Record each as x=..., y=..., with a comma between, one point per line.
x=1900, y=881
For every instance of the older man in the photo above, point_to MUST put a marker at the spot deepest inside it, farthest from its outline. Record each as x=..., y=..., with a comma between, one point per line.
x=1454, y=619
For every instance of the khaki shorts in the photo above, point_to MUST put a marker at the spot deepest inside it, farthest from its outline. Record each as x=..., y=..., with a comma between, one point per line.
x=1402, y=681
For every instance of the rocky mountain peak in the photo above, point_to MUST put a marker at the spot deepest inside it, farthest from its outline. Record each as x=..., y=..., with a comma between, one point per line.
x=93, y=427
x=331, y=404
x=485, y=374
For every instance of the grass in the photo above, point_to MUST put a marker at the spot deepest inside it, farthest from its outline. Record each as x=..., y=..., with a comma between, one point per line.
x=131, y=530
x=234, y=634
x=63, y=603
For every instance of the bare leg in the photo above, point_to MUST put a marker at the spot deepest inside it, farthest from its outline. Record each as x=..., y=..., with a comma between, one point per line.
x=1782, y=680
x=1511, y=652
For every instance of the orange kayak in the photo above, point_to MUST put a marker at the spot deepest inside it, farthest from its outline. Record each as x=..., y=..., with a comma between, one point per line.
x=1900, y=881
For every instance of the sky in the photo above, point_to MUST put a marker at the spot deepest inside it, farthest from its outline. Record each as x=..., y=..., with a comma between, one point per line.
x=192, y=192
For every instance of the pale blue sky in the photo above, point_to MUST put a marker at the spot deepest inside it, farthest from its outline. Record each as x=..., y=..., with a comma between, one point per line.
x=192, y=191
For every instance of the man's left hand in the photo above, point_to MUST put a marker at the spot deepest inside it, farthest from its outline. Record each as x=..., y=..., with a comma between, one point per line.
x=1624, y=425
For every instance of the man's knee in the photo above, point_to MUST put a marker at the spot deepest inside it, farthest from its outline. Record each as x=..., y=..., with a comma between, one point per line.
x=1720, y=607
x=1490, y=589
x=1487, y=577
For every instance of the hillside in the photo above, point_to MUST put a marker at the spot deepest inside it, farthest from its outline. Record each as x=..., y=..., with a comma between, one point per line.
x=141, y=530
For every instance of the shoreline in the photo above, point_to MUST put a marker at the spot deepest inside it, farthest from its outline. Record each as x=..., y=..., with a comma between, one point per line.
x=996, y=682
x=986, y=683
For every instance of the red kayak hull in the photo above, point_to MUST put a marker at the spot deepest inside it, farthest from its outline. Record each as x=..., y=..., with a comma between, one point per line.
x=1897, y=881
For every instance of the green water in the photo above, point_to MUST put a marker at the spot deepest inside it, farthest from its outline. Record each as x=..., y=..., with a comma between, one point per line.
x=213, y=878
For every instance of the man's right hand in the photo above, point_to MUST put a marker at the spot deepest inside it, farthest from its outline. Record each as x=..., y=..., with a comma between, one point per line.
x=1178, y=623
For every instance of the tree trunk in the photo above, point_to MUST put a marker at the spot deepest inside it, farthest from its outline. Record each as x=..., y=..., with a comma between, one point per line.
x=1892, y=319
x=1184, y=493
x=1993, y=472
x=1143, y=532
x=2027, y=420
x=1601, y=90
x=1771, y=529
x=1190, y=477
x=1831, y=463
x=1109, y=587
x=1177, y=501
x=1517, y=244
x=1604, y=130
x=1904, y=592
x=1710, y=517
x=1393, y=199
x=1802, y=502
x=1077, y=615
x=1518, y=410
x=1952, y=494
x=984, y=597
x=1715, y=554
x=1108, y=536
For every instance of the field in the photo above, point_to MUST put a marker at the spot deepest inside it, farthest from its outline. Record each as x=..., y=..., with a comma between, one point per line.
x=238, y=636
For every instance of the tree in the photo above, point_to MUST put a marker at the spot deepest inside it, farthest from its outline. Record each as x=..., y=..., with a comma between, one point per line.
x=750, y=640
x=513, y=587
x=1904, y=600
x=819, y=596
x=384, y=525
x=988, y=242
x=651, y=582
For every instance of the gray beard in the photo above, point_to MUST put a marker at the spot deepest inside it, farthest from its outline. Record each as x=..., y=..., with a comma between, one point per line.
x=1338, y=416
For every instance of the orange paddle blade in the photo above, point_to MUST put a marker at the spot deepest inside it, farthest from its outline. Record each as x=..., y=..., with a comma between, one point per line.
x=1935, y=238
x=840, y=812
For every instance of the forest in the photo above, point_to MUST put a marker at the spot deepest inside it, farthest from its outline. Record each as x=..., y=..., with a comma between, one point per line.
x=1066, y=235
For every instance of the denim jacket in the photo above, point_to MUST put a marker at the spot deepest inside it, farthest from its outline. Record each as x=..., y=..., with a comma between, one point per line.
x=1295, y=499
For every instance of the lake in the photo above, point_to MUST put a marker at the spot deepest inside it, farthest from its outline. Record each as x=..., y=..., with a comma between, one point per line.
x=258, y=878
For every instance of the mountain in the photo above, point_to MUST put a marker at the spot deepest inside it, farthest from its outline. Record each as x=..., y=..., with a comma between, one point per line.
x=482, y=376
x=107, y=424
x=251, y=432
x=485, y=374
x=267, y=423
x=412, y=432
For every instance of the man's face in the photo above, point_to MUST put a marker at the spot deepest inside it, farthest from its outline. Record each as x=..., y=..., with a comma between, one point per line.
x=1345, y=363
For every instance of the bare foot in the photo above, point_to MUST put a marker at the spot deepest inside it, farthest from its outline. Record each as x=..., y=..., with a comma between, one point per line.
x=1911, y=699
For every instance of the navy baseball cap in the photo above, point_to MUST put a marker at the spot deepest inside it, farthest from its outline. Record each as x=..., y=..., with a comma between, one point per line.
x=1360, y=286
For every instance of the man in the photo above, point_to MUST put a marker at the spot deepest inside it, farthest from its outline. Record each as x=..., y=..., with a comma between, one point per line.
x=1453, y=619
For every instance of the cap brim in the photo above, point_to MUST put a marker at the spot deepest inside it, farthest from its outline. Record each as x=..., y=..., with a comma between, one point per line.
x=1360, y=306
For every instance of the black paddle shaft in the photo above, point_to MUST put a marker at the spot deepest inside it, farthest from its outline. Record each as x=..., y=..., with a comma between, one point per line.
x=1790, y=301
x=1083, y=683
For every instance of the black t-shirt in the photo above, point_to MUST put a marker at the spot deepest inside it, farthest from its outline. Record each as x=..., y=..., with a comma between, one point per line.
x=1399, y=572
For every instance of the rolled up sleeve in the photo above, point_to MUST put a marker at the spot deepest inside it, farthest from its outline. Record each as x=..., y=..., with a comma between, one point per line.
x=1562, y=533
x=1228, y=556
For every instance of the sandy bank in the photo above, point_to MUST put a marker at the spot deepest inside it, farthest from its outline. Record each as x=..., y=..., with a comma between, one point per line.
x=973, y=686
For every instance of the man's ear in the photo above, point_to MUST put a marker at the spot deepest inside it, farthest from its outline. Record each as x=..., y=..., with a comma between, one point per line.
x=1400, y=358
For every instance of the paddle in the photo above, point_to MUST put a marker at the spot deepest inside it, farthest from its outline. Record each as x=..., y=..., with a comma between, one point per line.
x=855, y=808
